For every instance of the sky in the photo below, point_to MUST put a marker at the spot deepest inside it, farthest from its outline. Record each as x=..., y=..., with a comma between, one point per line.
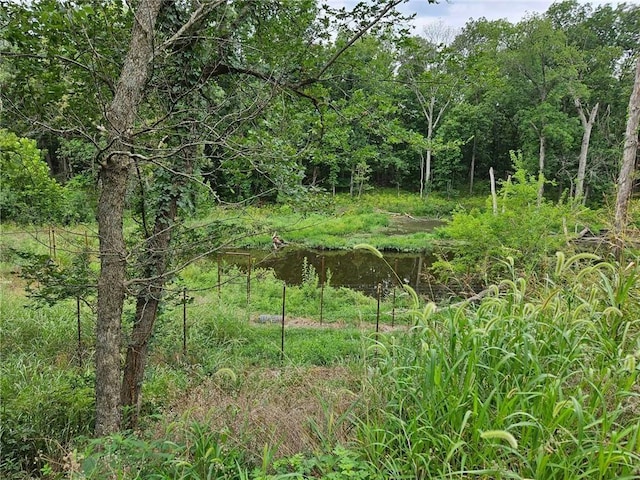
x=456, y=13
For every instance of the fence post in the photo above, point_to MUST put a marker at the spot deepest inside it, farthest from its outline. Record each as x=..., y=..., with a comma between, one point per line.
x=284, y=296
x=79, y=331
x=219, y=277
x=322, y=280
x=184, y=322
x=53, y=236
x=393, y=308
x=249, y=289
x=378, y=310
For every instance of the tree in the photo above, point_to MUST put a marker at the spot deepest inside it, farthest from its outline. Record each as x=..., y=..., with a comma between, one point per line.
x=427, y=67
x=587, y=119
x=629, y=156
x=603, y=40
x=115, y=167
x=541, y=64
x=485, y=115
x=259, y=46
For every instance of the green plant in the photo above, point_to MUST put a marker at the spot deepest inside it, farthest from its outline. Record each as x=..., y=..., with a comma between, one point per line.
x=520, y=228
x=524, y=385
x=43, y=408
x=27, y=193
x=49, y=282
x=80, y=199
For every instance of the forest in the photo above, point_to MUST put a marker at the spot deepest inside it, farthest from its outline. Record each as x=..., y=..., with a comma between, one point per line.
x=158, y=158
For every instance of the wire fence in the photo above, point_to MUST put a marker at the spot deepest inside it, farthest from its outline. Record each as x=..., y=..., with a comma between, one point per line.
x=387, y=310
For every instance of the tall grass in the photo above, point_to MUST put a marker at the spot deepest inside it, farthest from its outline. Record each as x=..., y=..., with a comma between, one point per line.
x=529, y=384
x=45, y=398
x=537, y=380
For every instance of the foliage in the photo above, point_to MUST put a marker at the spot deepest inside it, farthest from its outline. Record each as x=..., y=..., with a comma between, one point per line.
x=520, y=229
x=537, y=380
x=527, y=384
x=46, y=400
x=359, y=122
x=49, y=282
x=27, y=194
x=81, y=200
x=201, y=453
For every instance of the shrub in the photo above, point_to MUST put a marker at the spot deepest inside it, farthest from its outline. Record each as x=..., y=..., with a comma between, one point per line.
x=27, y=193
x=81, y=199
x=527, y=231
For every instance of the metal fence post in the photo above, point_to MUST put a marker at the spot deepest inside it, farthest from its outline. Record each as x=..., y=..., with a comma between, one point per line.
x=79, y=331
x=378, y=309
x=284, y=296
x=322, y=280
x=184, y=322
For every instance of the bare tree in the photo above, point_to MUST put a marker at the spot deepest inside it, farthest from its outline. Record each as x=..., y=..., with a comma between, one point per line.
x=434, y=87
x=630, y=152
x=587, y=126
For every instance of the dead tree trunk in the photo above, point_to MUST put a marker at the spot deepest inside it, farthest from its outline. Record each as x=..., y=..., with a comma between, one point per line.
x=630, y=152
x=114, y=174
x=587, y=126
x=472, y=169
x=541, y=161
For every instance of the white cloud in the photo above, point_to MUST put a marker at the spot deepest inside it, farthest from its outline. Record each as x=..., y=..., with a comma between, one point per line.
x=456, y=13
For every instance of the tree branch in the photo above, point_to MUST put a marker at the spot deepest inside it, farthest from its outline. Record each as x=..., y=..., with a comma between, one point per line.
x=197, y=16
x=355, y=38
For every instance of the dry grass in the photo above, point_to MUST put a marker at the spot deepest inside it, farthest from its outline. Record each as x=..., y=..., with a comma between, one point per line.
x=301, y=322
x=294, y=409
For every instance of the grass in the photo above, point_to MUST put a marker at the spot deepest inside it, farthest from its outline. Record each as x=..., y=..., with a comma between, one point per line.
x=342, y=223
x=525, y=385
x=539, y=379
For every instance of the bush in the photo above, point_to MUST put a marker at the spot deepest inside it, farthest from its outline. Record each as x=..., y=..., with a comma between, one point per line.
x=43, y=409
x=522, y=229
x=27, y=193
x=81, y=199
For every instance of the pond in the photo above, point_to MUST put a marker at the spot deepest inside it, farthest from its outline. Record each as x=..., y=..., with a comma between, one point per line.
x=357, y=269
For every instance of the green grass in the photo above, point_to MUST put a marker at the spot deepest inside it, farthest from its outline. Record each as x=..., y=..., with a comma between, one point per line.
x=343, y=222
x=538, y=380
x=526, y=385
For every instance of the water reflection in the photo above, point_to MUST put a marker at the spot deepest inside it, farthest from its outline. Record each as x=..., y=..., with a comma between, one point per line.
x=356, y=269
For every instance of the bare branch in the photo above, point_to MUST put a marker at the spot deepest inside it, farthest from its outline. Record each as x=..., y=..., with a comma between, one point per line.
x=197, y=16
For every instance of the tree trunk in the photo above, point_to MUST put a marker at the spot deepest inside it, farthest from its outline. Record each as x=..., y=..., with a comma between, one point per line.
x=541, y=169
x=111, y=294
x=352, y=182
x=630, y=152
x=147, y=302
x=494, y=196
x=587, y=125
x=427, y=169
x=421, y=175
x=430, y=127
x=114, y=175
x=472, y=170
